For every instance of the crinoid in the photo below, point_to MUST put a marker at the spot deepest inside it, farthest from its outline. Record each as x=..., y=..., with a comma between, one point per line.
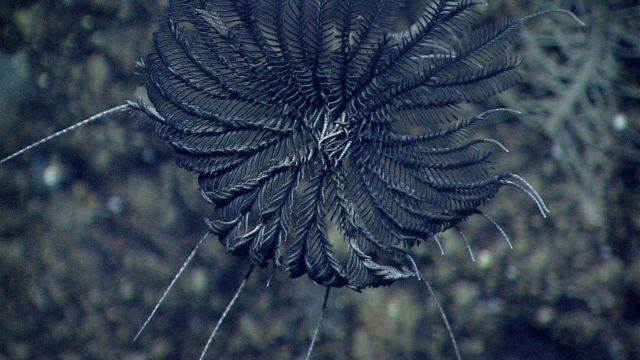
x=298, y=115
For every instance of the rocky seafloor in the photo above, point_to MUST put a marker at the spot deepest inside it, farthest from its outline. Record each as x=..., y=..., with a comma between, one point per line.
x=94, y=225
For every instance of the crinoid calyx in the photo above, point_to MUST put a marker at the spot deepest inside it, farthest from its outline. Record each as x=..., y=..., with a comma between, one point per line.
x=302, y=114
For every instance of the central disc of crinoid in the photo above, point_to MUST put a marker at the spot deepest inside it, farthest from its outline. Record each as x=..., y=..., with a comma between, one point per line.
x=333, y=136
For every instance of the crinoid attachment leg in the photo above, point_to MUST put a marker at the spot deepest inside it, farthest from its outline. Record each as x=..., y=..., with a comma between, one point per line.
x=225, y=313
x=319, y=323
x=424, y=281
x=444, y=318
x=173, y=282
x=94, y=118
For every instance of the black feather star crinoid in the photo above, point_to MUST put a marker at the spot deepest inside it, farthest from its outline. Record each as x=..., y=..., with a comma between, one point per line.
x=299, y=115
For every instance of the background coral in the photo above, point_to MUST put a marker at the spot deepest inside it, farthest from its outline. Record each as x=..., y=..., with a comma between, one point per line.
x=578, y=92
